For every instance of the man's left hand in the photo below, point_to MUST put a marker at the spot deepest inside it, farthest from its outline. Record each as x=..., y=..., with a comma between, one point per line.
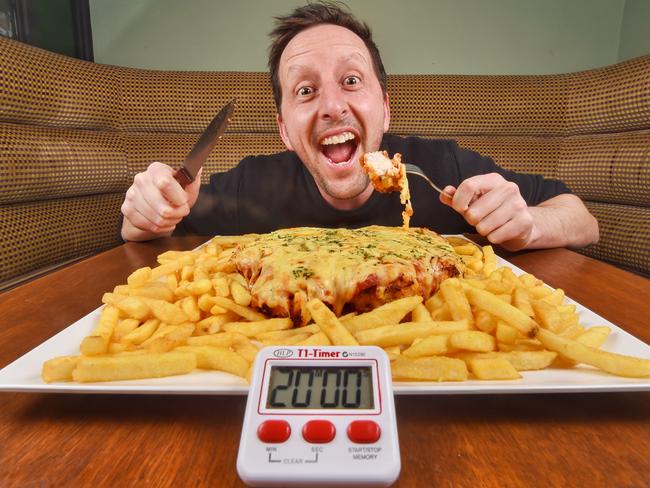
x=495, y=208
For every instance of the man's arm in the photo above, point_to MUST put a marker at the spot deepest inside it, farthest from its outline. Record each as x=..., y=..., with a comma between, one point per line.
x=156, y=203
x=562, y=221
x=496, y=209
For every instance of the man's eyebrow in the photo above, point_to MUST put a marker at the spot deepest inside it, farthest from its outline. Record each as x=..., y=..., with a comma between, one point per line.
x=353, y=57
x=299, y=68
x=356, y=56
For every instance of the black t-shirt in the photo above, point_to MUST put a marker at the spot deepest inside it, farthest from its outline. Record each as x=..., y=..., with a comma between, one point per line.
x=265, y=193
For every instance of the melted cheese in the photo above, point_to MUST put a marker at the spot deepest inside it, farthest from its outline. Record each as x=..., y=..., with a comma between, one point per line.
x=288, y=267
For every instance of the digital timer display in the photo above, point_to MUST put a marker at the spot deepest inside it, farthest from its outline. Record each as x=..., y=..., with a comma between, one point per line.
x=320, y=387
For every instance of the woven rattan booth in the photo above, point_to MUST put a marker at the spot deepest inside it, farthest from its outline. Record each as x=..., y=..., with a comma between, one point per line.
x=73, y=134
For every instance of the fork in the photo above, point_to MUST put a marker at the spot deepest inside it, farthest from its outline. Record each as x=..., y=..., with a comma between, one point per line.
x=416, y=170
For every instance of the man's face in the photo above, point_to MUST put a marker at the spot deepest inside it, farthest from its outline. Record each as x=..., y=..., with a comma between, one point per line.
x=333, y=110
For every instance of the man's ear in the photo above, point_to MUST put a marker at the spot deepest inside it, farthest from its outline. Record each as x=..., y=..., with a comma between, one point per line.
x=386, y=112
x=283, y=132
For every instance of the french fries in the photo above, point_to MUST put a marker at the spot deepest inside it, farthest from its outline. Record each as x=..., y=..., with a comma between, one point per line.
x=432, y=345
x=97, y=343
x=389, y=313
x=495, y=368
x=489, y=302
x=434, y=368
x=133, y=367
x=452, y=293
x=330, y=325
x=617, y=364
x=252, y=329
x=194, y=311
x=219, y=358
x=405, y=333
x=59, y=369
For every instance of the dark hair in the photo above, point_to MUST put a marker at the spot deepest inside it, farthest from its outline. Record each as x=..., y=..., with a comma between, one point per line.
x=312, y=14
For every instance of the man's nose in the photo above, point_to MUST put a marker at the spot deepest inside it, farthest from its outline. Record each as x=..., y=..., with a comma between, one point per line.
x=333, y=103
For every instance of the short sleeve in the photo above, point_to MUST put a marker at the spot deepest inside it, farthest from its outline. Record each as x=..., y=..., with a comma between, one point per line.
x=535, y=189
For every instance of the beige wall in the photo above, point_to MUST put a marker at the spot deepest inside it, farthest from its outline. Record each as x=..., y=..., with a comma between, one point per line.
x=415, y=36
x=635, y=30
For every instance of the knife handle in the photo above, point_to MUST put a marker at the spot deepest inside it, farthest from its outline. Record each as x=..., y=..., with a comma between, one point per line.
x=183, y=177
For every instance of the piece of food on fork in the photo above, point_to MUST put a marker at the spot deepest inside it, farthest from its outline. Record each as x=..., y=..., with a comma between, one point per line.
x=388, y=175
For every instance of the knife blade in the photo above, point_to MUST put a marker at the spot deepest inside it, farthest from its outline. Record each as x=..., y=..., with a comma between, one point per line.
x=204, y=146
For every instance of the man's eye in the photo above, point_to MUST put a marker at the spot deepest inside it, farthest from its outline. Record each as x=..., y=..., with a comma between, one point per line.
x=305, y=90
x=352, y=80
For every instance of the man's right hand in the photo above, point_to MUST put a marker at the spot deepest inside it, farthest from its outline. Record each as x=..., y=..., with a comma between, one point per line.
x=156, y=203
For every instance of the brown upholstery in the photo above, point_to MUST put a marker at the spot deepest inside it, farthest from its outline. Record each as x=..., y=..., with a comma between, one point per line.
x=73, y=134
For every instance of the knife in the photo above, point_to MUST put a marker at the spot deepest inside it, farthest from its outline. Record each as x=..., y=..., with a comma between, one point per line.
x=204, y=146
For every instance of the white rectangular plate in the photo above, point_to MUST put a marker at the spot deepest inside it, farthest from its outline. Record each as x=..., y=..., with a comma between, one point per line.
x=24, y=374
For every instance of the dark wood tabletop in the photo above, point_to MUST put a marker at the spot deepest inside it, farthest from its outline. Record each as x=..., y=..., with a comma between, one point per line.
x=57, y=440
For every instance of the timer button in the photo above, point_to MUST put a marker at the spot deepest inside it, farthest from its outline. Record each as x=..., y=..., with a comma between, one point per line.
x=319, y=431
x=274, y=431
x=364, y=431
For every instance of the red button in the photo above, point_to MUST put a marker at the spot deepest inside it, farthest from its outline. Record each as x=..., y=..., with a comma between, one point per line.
x=274, y=431
x=318, y=431
x=364, y=431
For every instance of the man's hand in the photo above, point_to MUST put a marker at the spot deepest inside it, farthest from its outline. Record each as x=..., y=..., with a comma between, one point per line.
x=156, y=203
x=495, y=208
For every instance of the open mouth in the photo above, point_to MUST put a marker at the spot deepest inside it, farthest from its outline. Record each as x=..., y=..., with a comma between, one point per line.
x=339, y=148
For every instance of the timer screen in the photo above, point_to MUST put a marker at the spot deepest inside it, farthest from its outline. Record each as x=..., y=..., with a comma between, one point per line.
x=320, y=387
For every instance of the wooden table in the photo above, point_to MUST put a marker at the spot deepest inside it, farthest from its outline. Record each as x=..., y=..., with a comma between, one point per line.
x=584, y=440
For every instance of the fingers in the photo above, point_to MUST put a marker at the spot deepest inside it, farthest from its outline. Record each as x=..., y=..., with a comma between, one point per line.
x=444, y=197
x=503, y=196
x=142, y=214
x=494, y=207
x=514, y=234
x=156, y=202
x=160, y=177
x=473, y=188
x=141, y=222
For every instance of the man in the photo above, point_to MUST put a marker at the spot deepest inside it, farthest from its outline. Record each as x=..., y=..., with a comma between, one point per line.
x=329, y=86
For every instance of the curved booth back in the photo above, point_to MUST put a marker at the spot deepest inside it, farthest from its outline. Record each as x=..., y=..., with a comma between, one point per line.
x=74, y=133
